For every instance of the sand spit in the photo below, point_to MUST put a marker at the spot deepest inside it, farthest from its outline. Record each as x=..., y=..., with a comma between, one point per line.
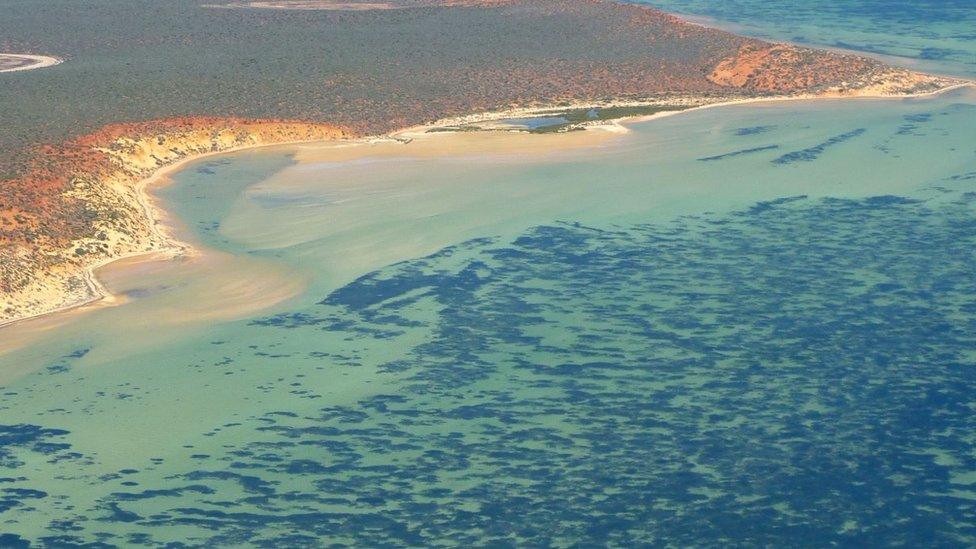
x=14, y=62
x=673, y=106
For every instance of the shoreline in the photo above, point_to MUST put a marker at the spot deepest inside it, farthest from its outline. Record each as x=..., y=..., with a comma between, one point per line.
x=174, y=247
x=895, y=60
x=156, y=215
x=839, y=97
x=447, y=125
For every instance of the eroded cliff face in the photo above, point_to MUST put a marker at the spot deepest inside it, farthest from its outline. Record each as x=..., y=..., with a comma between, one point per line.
x=45, y=260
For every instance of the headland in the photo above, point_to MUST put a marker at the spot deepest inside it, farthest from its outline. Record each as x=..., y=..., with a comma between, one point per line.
x=74, y=192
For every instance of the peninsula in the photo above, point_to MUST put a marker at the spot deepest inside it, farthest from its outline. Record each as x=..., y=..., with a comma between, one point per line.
x=80, y=142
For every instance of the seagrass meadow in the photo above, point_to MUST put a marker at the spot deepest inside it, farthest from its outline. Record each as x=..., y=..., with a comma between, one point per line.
x=740, y=326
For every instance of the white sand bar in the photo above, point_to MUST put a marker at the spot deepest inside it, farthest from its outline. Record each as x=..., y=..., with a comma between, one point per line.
x=11, y=62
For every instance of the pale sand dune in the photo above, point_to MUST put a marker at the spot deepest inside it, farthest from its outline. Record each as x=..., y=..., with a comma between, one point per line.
x=13, y=62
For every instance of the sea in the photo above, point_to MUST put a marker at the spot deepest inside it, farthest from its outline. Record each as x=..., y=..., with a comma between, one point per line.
x=739, y=326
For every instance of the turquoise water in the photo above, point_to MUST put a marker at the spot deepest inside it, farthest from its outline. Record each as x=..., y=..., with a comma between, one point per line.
x=931, y=35
x=737, y=326
x=748, y=325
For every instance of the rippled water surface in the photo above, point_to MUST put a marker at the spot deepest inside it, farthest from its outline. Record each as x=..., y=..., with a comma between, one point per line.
x=738, y=326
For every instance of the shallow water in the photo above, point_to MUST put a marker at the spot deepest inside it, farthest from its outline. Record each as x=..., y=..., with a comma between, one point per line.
x=736, y=326
x=750, y=323
x=930, y=35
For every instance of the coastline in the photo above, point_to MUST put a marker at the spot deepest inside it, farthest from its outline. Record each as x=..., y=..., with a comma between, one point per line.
x=156, y=216
x=811, y=97
x=616, y=124
x=901, y=61
x=172, y=247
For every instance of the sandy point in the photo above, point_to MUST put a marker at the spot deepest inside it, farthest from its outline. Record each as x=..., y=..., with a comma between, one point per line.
x=13, y=62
